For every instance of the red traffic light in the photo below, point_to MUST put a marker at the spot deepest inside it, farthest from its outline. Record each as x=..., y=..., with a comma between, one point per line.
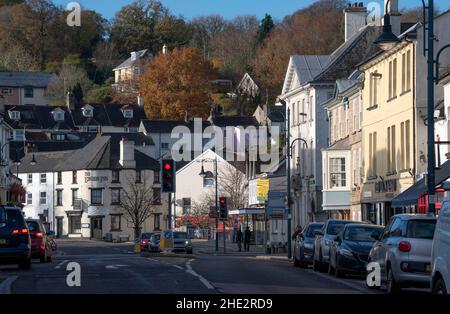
x=222, y=201
x=167, y=166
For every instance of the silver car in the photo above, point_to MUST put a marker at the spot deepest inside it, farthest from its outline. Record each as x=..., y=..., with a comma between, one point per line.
x=181, y=242
x=403, y=251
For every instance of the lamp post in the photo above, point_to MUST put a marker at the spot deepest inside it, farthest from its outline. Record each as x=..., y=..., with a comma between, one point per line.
x=387, y=40
x=203, y=175
x=289, y=147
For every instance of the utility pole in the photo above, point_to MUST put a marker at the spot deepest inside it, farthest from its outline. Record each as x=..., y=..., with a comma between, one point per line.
x=288, y=178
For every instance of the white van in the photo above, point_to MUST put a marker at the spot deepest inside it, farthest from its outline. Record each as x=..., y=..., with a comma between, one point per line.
x=440, y=255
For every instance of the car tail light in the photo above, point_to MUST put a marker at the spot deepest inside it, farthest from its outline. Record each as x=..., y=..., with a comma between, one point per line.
x=144, y=241
x=404, y=246
x=20, y=231
x=39, y=234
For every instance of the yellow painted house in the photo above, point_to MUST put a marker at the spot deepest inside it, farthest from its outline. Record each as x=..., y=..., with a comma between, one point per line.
x=394, y=132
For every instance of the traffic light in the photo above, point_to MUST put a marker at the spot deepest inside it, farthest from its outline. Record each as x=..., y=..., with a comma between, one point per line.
x=168, y=176
x=223, y=208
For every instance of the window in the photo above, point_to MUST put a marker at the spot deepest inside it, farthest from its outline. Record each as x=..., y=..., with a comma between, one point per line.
x=372, y=154
x=402, y=145
x=59, y=137
x=388, y=150
x=29, y=198
x=30, y=178
x=74, y=177
x=421, y=229
x=6, y=91
x=164, y=145
x=393, y=79
x=408, y=70
x=59, y=177
x=311, y=105
x=75, y=224
x=43, y=178
x=14, y=115
x=396, y=228
x=303, y=114
x=28, y=92
x=74, y=197
x=96, y=196
x=43, y=198
x=157, y=222
x=374, y=89
x=115, y=176
x=293, y=114
x=116, y=222
x=156, y=177
x=115, y=196
x=393, y=150
x=128, y=114
x=59, y=197
x=19, y=135
x=186, y=205
x=156, y=195
x=408, y=145
x=337, y=173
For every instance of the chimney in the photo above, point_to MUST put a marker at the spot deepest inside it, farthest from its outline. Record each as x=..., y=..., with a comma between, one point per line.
x=165, y=49
x=133, y=56
x=392, y=9
x=70, y=101
x=127, y=154
x=355, y=19
x=140, y=101
x=186, y=117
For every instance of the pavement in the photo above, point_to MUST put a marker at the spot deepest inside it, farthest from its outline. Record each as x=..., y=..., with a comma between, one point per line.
x=112, y=268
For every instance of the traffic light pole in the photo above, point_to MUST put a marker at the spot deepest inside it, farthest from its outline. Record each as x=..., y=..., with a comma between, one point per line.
x=169, y=216
x=217, y=205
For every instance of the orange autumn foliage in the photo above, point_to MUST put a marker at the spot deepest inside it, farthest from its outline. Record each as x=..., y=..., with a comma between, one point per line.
x=176, y=83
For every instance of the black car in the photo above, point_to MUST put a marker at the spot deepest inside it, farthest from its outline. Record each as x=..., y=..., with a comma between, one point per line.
x=350, y=250
x=15, y=241
x=304, y=245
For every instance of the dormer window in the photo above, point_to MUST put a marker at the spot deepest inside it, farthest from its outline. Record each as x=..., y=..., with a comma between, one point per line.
x=127, y=113
x=58, y=115
x=88, y=111
x=14, y=115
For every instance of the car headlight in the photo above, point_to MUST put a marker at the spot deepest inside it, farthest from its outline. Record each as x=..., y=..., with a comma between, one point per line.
x=346, y=252
x=187, y=242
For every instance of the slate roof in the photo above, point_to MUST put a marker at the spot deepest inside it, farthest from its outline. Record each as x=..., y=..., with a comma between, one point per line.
x=308, y=67
x=103, y=152
x=224, y=121
x=277, y=114
x=166, y=126
x=129, y=62
x=108, y=115
x=38, y=117
x=22, y=79
x=343, y=144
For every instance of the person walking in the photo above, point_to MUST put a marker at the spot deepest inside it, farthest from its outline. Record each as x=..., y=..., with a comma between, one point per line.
x=247, y=237
x=239, y=236
x=297, y=231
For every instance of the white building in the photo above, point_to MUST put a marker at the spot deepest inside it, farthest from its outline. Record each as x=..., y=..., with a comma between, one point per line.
x=127, y=72
x=309, y=82
x=442, y=125
x=85, y=188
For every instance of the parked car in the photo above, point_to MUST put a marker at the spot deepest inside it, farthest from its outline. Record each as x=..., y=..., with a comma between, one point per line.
x=350, y=251
x=304, y=245
x=41, y=244
x=323, y=241
x=181, y=242
x=15, y=241
x=145, y=239
x=404, y=251
x=440, y=252
x=153, y=245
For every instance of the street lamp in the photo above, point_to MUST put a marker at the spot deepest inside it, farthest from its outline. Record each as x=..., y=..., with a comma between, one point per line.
x=386, y=39
x=203, y=175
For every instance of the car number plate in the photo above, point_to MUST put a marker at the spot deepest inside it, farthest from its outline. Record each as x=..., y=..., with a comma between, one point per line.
x=2, y=241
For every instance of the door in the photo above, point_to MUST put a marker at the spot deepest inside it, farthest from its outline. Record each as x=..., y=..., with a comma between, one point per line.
x=59, y=227
x=75, y=224
x=97, y=228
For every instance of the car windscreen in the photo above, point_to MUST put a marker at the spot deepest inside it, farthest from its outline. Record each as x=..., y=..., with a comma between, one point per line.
x=311, y=229
x=156, y=237
x=421, y=229
x=15, y=219
x=180, y=235
x=2, y=215
x=361, y=234
x=33, y=226
x=335, y=227
x=146, y=235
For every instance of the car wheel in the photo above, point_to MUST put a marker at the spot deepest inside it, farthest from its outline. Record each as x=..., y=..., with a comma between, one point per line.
x=439, y=287
x=315, y=265
x=392, y=285
x=26, y=264
x=322, y=266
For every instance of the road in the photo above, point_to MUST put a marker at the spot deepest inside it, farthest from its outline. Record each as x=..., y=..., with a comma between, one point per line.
x=108, y=268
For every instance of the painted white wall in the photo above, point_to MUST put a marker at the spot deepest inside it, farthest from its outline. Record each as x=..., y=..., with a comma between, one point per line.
x=39, y=98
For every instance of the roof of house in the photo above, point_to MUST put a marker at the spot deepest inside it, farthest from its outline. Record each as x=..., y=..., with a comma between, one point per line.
x=130, y=62
x=224, y=121
x=343, y=144
x=166, y=126
x=108, y=115
x=22, y=79
x=277, y=114
x=103, y=152
x=38, y=117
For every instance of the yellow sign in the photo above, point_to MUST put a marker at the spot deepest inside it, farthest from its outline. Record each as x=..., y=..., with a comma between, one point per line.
x=166, y=241
x=262, y=189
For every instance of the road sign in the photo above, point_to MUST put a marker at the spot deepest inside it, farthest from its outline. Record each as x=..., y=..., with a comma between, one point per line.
x=276, y=205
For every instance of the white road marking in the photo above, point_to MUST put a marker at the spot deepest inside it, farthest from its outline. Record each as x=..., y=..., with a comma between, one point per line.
x=61, y=264
x=179, y=267
x=5, y=286
x=200, y=277
x=344, y=282
x=115, y=266
x=152, y=259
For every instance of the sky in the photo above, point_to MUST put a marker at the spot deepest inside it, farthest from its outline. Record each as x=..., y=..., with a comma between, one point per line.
x=227, y=8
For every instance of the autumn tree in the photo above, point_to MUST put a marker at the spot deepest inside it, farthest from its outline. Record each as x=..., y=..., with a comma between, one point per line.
x=177, y=82
x=233, y=184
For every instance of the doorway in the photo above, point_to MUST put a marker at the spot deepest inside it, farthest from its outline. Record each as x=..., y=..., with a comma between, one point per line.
x=59, y=227
x=75, y=224
x=97, y=228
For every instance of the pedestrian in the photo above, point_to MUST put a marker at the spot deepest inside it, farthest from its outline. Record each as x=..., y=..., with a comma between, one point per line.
x=239, y=236
x=297, y=231
x=247, y=236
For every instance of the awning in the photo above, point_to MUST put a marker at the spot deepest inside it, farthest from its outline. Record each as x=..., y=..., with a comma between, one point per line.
x=247, y=211
x=411, y=196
